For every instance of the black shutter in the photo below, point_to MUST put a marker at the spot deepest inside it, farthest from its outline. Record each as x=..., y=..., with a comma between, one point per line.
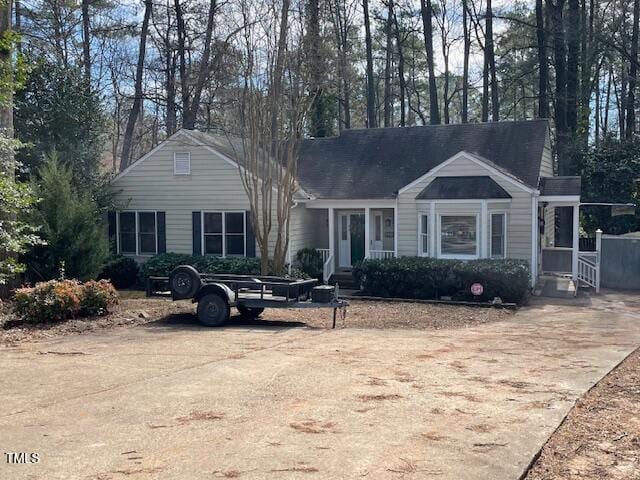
x=197, y=232
x=162, y=232
x=113, y=241
x=250, y=247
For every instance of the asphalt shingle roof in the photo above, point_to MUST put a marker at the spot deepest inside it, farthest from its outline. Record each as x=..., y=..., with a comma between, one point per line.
x=560, y=185
x=377, y=162
x=457, y=188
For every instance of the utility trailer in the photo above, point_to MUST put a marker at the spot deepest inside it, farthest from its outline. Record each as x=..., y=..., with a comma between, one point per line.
x=250, y=294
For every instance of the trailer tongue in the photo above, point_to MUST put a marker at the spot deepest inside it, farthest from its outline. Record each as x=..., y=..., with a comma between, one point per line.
x=250, y=294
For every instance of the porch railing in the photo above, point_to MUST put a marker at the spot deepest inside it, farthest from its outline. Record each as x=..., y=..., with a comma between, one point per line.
x=381, y=254
x=328, y=268
x=324, y=252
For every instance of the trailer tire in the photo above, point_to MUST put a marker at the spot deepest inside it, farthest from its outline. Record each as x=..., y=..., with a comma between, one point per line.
x=184, y=282
x=249, y=312
x=213, y=310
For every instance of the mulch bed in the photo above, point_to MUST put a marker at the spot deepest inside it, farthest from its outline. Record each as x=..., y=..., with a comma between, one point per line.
x=600, y=438
x=134, y=309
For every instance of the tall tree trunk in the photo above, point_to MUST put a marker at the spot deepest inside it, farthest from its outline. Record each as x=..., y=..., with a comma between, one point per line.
x=543, y=65
x=484, y=115
x=182, y=57
x=607, y=100
x=171, y=121
x=6, y=106
x=388, y=101
x=341, y=28
x=318, y=122
x=598, y=111
x=371, y=93
x=86, y=40
x=465, y=68
x=633, y=71
x=136, y=108
x=495, y=101
x=560, y=65
x=190, y=114
x=279, y=66
x=573, y=55
x=427, y=14
x=401, y=79
x=586, y=81
x=18, y=24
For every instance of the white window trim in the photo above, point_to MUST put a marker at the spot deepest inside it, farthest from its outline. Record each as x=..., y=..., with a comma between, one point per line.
x=439, y=236
x=224, y=233
x=175, y=171
x=137, y=252
x=504, y=231
x=421, y=234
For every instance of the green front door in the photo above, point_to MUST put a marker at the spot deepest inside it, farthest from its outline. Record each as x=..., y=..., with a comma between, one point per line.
x=357, y=237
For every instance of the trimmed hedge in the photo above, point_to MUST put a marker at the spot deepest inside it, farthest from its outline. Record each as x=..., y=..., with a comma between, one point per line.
x=123, y=272
x=431, y=278
x=58, y=300
x=162, y=265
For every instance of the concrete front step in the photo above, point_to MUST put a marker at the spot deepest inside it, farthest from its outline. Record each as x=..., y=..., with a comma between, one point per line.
x=343, y=279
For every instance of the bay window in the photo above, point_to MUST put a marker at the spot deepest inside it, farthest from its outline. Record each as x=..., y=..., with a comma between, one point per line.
x=497, y=235
x=459, y=236
x=423, y=236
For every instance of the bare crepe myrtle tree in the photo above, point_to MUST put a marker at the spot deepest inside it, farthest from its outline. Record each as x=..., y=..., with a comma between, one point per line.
x=272, y=106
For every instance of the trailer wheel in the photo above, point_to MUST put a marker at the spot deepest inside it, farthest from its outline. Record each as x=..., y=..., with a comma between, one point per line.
x=213, y=310
x=249, y=312
x=184, y=282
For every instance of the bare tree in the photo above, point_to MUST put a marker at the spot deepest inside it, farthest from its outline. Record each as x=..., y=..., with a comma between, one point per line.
x=272, y=107
x=491, y=63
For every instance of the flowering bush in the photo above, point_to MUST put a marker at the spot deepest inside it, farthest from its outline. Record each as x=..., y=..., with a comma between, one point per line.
x=57, y=300
x=97, y=297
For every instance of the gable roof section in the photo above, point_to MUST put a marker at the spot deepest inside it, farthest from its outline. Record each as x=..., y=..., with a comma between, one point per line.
x=378, y=162
x=462, y=188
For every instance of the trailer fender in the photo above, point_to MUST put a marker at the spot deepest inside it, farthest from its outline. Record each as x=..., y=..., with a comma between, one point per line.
x=219, y=288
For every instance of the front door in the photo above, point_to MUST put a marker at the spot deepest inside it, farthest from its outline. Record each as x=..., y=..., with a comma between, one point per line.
x=351, y=238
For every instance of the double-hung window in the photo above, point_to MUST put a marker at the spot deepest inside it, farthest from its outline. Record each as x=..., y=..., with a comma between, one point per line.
x=423, y=236
x=498, y=235
x=138, y=233
x=224, y=233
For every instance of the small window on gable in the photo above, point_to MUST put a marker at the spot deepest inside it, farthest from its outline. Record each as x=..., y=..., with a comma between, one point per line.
x=182, y=163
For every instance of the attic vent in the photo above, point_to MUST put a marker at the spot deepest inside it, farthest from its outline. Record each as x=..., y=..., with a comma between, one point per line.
x=182, y=163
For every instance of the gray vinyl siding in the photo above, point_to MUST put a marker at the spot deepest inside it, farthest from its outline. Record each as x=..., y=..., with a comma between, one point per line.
x=304, y=229
x=546, y=163
x=519, y=221
x=213, y=185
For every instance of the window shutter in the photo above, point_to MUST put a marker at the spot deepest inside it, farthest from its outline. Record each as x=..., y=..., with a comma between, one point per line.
x=162, y=232
x=197, y=232
x=250, y=236
x=113, y=241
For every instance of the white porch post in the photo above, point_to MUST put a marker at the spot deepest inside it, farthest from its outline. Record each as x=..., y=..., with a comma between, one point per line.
x=598, y=258
x=576, y=242
x=395, y=229
x=484, y=230
x=332, y=232
x=367, y=232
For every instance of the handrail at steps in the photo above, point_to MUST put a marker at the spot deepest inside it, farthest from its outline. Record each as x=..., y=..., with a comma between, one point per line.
x=328, y=269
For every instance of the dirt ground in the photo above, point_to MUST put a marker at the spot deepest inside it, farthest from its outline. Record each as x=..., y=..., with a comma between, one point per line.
x=272, y=399
x=136, y=310
x=600, y=438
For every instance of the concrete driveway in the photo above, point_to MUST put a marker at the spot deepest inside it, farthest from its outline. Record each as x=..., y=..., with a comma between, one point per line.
x=175, y=401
